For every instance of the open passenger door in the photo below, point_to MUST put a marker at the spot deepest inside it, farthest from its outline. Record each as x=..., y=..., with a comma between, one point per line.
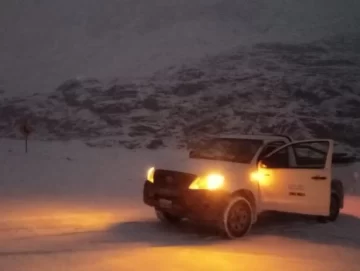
x=297, y=177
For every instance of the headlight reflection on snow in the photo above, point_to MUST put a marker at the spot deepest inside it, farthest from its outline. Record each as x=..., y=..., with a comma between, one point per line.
x=54, y=220
x=82, y=219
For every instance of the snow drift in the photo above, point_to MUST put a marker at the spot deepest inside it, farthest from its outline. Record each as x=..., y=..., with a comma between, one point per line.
x=304, y=90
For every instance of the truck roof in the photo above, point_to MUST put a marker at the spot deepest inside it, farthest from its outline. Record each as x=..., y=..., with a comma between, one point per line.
x=263, y=137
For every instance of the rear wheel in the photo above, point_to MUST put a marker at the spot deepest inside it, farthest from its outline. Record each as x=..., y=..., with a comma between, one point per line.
x=166, y=217
x=334, y=211
x=237, y=218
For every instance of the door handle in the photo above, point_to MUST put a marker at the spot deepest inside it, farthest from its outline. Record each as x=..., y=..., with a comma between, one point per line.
x=318, y=177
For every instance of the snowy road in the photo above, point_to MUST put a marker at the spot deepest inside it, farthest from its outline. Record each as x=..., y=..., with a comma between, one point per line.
x=45, y=227
x=129, y=238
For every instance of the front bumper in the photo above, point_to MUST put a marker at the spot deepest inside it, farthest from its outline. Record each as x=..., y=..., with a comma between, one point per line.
x=201, y=205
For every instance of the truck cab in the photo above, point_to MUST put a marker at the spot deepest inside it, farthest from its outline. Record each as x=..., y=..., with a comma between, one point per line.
x=228, y=181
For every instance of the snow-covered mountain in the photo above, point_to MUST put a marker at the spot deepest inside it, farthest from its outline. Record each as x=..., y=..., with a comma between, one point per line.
x=304, y=90
x=44, y=42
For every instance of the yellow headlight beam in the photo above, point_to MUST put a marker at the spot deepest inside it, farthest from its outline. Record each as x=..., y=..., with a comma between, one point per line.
x=214, y=181
x=209, y=182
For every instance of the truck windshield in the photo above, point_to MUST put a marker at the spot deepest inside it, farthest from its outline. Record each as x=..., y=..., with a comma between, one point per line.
x=227, y=149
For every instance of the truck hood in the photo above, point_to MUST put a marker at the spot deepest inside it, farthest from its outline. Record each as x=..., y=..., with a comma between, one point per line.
x=202, y=167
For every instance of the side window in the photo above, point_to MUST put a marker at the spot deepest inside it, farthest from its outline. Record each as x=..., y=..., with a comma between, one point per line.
x=311, y=154
x=270, y=147
x=307, y=155
x=279, y=159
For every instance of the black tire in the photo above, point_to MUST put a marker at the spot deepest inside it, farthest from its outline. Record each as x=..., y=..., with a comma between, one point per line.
x=322, y=219
x=166, y=217
x=334, y=211
x=236, y=220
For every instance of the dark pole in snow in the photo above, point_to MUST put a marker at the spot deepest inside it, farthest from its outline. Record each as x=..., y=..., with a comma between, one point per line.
x=26, y=131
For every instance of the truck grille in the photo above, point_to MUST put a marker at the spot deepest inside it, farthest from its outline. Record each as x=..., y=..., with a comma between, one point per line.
x=173, y=179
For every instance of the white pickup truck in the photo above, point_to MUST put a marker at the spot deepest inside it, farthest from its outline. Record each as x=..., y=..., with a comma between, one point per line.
x=228, y=181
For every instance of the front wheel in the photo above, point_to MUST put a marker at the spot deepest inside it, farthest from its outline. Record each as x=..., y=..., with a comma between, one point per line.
x=237, y=218
x=166, y=217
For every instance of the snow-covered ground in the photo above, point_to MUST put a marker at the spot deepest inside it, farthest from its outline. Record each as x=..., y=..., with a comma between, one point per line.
x=302, y=90
x=66, y=206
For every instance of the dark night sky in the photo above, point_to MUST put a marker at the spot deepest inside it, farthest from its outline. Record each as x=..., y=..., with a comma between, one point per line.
x=43, y=42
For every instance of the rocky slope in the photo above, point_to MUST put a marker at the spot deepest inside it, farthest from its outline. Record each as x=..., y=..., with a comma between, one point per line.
x=303, y=90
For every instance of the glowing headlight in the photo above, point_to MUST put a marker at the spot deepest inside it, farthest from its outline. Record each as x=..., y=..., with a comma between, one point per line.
x=150, y=174
x=209, y=182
